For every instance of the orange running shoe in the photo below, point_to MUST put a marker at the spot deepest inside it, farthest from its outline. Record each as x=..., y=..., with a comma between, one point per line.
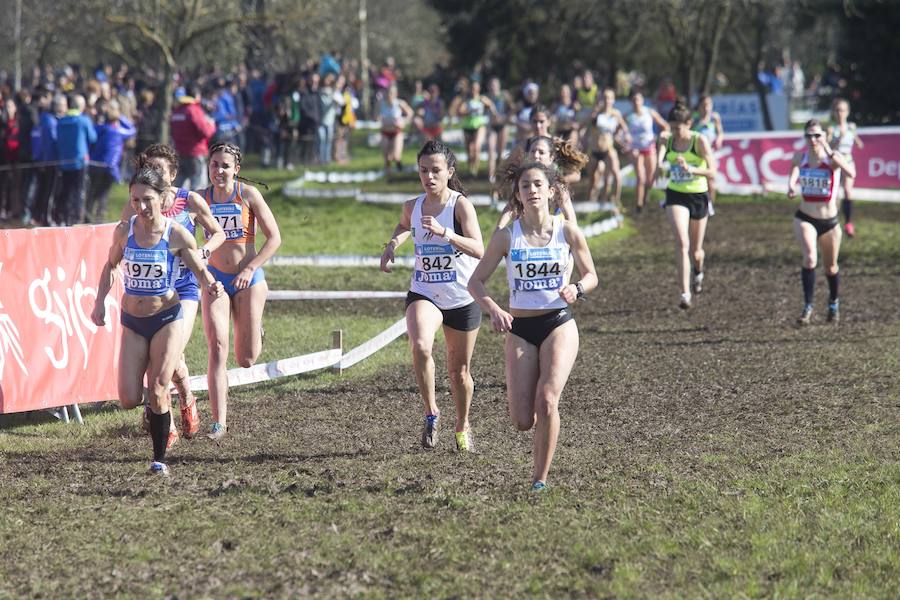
x=190, y=418
x=173, y=439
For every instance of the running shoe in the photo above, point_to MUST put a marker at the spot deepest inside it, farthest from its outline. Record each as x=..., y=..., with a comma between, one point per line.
x=217, y=431
x=697, y=283
x=464, y=441
x=190, y=418
x=834, y=312
x=145, y=419
x=538, y=486
x=172, y=439
x=806, y=315
x=849, y=229
x=430, y=430
x=685, y=302
x=159, y=468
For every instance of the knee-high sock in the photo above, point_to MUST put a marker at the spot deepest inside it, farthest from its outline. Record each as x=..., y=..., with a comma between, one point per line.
x=833, y=281
x=159, y=432
x=847, y=205
x=809, y=284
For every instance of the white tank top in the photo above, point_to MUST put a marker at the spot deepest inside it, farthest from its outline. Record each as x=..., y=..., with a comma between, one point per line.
x=641, y=128
x=607, y=123
x=536, y=274
x=441, y=272
x=844, y=142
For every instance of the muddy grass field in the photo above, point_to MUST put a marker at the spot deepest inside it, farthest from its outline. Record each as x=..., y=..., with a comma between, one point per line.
x=720, y=453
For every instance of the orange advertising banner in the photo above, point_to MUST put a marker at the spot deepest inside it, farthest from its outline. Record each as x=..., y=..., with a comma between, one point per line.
x=51, y=354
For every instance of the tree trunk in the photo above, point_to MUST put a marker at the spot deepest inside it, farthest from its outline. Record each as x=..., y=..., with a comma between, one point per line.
x=712, y=54
x=168, y=94
x=761, y=90
x=364, y=58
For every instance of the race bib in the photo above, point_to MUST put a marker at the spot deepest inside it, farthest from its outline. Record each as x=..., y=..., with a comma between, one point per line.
x=816, y=182
x=145, y=270
x=679, y=175
x=537, y=269
x=434, y=263
x=228, y=216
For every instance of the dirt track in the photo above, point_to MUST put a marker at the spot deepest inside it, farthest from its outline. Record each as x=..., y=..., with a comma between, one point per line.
x=326, y=479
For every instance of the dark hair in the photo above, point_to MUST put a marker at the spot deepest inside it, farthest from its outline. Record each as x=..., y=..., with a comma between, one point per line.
x=512, y=173
x=433, y=147
x=812, y=123
x=634, y=92
x=235, y=151
x=150, y=177
x=163, y=151
x=538, y=108
x=680, y=113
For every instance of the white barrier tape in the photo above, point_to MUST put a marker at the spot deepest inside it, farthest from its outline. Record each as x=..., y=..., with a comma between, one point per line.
x=274, y=369
x=331, y=260
x=378, y=342
x=342, y=177
x=601, y=227
x=590, y=207
x=323, y=295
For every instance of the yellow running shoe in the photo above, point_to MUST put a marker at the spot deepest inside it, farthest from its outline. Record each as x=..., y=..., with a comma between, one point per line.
x=464, y=441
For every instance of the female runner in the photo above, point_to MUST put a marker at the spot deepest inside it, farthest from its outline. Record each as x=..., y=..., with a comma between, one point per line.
x=187, y=209
x=448, y=244
x=474, y=112
x=842, y=136
x=565, y=122
x=604, y=157
x=542, y=338
x=238, y=208
x=152, y=247
x=497, y=131
x=818, y=171
x=524, y=127
x=692, y=164
x=540, y=120
x=643, y=148
x=393, y=113
x=560, y=155
x=709, y=124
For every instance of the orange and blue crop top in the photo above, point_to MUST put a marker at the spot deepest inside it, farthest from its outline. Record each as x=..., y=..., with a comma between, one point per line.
x=234, y=216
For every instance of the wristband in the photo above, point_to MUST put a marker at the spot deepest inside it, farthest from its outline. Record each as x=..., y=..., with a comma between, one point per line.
x=448, y=235
x=579, y=290
x=204, y=252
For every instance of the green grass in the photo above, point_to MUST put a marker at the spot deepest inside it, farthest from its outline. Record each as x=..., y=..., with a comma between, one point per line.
x=700, y=457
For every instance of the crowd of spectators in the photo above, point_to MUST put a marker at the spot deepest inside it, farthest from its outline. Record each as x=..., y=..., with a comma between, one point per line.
x=66, y=135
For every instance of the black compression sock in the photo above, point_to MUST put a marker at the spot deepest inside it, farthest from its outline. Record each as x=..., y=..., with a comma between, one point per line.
x=159, y=432
x=847, y=205
x=809, y=284
x=833, y=281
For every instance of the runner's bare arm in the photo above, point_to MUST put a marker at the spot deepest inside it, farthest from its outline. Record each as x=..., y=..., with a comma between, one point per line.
x=108, y=273
x=401, y=234
x=203, y=216
x=497, y=248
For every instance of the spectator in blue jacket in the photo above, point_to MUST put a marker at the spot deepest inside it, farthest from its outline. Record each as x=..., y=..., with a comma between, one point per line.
x=113, y=130
x=228, y=120
x=44, y=204
x=74, y=134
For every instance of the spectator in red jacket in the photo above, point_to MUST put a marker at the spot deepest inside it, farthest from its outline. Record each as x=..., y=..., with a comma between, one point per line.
x=192, y=129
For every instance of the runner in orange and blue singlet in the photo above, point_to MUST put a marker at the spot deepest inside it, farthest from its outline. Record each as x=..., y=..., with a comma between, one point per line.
x=238, y=209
